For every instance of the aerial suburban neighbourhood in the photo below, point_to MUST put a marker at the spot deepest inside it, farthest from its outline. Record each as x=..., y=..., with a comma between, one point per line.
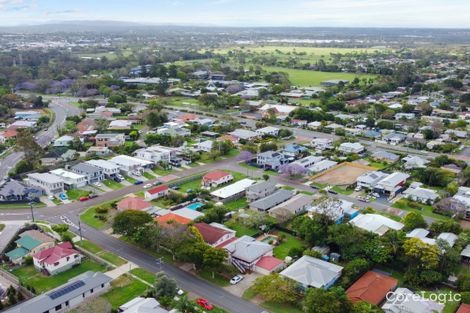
x=264, y=164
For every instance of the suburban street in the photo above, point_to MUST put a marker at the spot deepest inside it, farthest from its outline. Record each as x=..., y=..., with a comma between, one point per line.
x=62, y=108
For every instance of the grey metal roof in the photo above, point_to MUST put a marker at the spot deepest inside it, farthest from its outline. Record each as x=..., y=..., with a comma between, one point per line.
x=15, y=188
x=45, y=302
x=248, y=249
x=276, y=198
x=85, y=167
x=261, y=186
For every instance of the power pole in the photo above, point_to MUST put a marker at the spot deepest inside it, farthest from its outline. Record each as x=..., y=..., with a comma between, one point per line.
x=80, y=228
x=31, y=208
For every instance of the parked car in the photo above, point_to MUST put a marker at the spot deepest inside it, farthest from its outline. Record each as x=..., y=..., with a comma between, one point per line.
x=147, y=186
x=63, y=196
x=92, y=195
x=332, y=192
x=236, y=279
x=203, y=303
x=358, y=188
x=138, y=182
x=84, y=199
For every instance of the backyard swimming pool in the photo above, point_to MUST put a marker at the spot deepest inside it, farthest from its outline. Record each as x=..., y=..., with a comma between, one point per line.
x=195, y=206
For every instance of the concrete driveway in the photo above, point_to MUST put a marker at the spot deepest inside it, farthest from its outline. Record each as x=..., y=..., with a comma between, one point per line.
x=242, y=286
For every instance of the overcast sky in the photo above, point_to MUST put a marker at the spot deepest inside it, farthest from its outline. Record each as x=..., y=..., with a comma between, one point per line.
x=336, y=13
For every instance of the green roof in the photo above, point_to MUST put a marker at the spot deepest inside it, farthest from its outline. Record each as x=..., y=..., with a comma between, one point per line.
x=17, y=253
x=28, y=242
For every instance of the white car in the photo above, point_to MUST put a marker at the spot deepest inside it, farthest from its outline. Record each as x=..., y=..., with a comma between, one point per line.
x=148, y=186
x=358, y=188
x=236, y=279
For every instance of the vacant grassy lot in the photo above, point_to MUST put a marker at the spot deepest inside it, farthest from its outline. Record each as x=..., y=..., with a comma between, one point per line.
x=75, y=194
x=124, y=289
x=241, y=229
x=305, y=78
x=425, y=210
x=148, y=175
x=144, y=275
x=29, y=276
x=89, y=218
x=282, y=250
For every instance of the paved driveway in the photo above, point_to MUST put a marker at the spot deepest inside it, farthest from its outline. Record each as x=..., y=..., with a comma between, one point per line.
x=242, y=286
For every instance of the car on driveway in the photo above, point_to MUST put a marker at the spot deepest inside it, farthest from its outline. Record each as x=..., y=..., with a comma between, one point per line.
x=203, y=303
x=236, y=279
x=84, y=199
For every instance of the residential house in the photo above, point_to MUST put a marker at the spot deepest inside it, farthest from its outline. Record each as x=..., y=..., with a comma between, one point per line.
x=71, y=180
x=174, y=129
x=450, y=238
x=188, y=213
x=168, y=219
x=298, y=123
x=156, y=192
x=372, y=287
x=130, y=164
x=293, y=150
x=385, y=156
x=376, y=223
x=155, y=154
x=279, y=110
x=86, y=127
x=271, y=160
x=28, y=115
x=98, y=151
x=214, y=236
x=216, y=178
x=322, y=166
x=22, y=124
x=51, y=184
x=460, y=202
x=413, y=162
x=296, y=205
x=334, y=82
x=322, y=144
x=403, y=300
x=351, y=147
x=313, y=272
x=110, y=140
x=121, y=124
x=246, y=251
x=204, y=146
x=417, y=193
x=93, y=173
x=370, y=180
x=260, y=190
x=28, y=244
x=245, y=134
x=268, y=131
x=142, y=305
x=392, y=184
x=110, y=169
x=14, y=191
x=308, y=161
x=394, y=138
x=57, y=155
x=335, y=209
x=405, y=116
x=233, y=191
x=278, y=197
x=133, y=203
x=63, y=141
x=67, y=296
x=57, y=259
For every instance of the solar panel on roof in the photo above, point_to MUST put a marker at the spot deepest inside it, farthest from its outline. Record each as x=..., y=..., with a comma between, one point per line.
x=65, y=290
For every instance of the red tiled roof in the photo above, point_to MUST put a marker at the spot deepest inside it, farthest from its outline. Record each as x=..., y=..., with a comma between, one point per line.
x=157, y=189
x=172, y=217
x=228, y=137
x=188, y=117
x=54, y=254
x=463, y=308
x=209, y=233
x=372, y=288
x=215, y=175
x=132, y=203
x=223, y=244
x=10, y=133
x=86, y=125
x=269, y=262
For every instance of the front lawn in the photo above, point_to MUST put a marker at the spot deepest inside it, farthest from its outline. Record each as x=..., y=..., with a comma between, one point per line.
x=290, y=241
x=190, y=185
x=162, y=172
x=249, y=294
x=21, y=205
x=425, y=210
x=75, y=194
x=98, y=251
x=241, y=229
x=124, y=289
x=130, y=179
x=29, y=276
x=112, y=184
x=144, y=275
x=89, y=246
x=216, y=280
x=148, y=175
x=342, y=191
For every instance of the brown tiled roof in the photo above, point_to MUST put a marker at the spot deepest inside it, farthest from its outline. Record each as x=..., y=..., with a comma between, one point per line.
x=210, y=233
x=372, y=288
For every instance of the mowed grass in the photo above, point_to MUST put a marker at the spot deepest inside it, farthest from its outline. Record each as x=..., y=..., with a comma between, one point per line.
x=425, y=210
x=124, y=289
x=89, y=217
x=29, y=276
x=75, y=194
x=304, y=78
x=144, y=275
x=98, y=251
x=112, y=184
x=290, y=241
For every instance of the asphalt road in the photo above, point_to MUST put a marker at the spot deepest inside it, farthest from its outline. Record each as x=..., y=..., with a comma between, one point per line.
x=62, y=108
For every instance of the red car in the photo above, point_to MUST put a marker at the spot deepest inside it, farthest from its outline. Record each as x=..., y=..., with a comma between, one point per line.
x=84, y=198
x=203, y=303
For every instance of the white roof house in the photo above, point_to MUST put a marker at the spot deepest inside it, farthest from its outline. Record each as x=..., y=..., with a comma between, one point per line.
x=244, y=134
x=106, y=165
x=420, y=194
x=188, y=213
x=313, y=272
x=376, y=223
x=233, y=189
x=120, y=124
x=370, y=179
x=128, y=161
x=450, y=238
x=413, y=161
x=322, y=166
x=248, y=249
x=393, y=182
x=351, y=147
x=280, y=108
x=268, y=131
x=63, y=141
x=142, y=305
x=403, y=300
x=70, y=178
x=418, y=233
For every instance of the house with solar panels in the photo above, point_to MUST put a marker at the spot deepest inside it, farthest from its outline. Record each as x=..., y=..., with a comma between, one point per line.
x=67, y=296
